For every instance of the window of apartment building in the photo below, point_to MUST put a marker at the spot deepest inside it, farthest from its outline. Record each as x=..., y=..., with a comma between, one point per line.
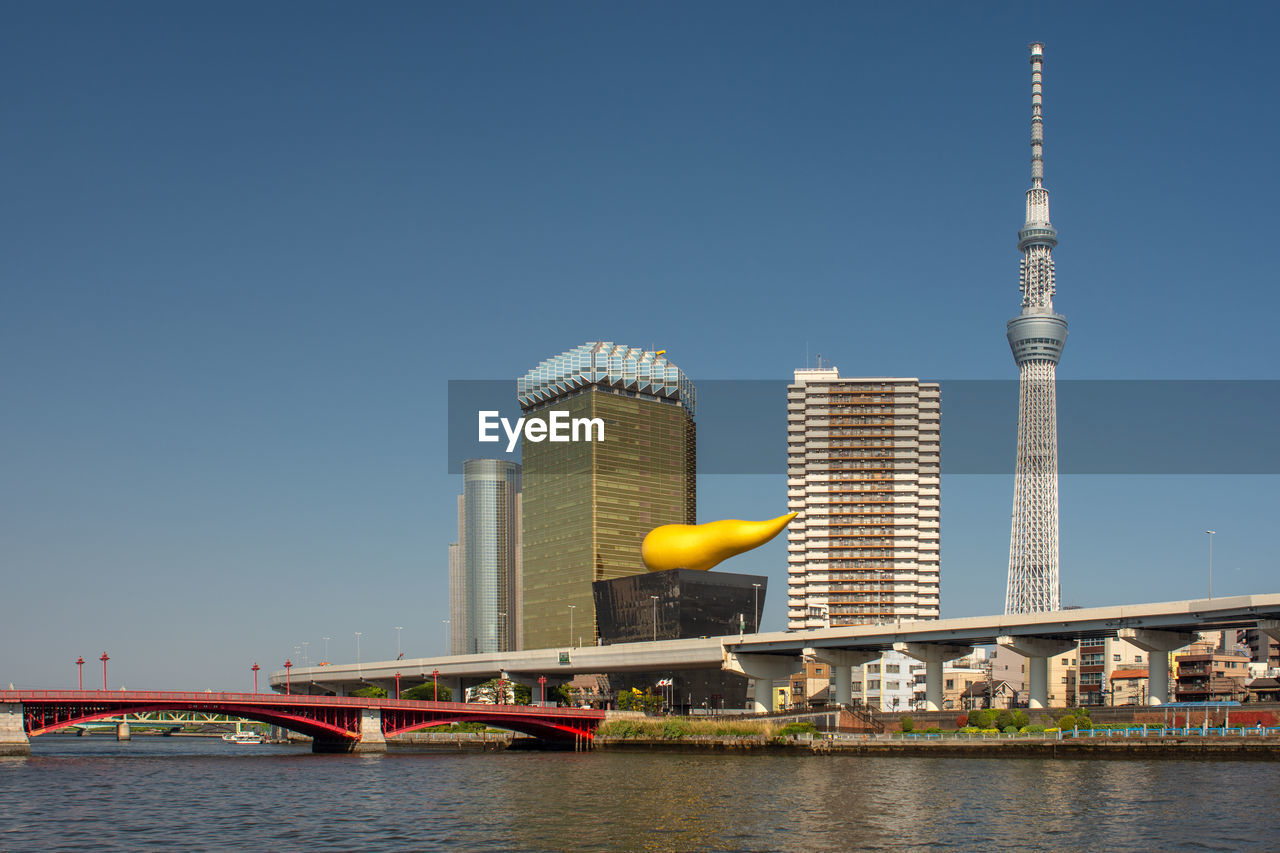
x=891, y=685
x=1116, y=658
x=873, y=685
x=951, y=684
x=893, y=667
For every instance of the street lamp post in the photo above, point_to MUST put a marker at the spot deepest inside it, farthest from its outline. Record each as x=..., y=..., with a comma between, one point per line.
x=326, y=649
x=542, y=688
x=255, y=669
x=399, y=653
x=435, y=680
x=288, y=688
x=571, y=606
x=80, y=672
x=445, y=624
x=655, y=617
x=397, y=684
x=1211, y=532
x=358, y=633
x=757, y=605
x=104, y=660
x=306, y=658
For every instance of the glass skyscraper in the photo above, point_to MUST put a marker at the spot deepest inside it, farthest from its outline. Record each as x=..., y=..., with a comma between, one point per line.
x=589, y=504
x=485, y=562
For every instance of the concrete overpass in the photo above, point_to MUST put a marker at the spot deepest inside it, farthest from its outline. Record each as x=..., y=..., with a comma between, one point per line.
x=1159, y=628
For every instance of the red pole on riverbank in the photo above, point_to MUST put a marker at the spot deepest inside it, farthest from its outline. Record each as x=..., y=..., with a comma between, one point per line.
x=255, y=669
x=104, y=660
x=80, y=672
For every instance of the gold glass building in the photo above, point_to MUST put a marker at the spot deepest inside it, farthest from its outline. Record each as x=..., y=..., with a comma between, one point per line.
x=587, y=504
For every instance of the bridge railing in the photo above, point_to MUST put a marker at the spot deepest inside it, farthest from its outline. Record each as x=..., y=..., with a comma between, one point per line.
x=292, y=699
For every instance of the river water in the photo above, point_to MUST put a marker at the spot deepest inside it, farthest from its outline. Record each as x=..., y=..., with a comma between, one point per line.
x=200, y=794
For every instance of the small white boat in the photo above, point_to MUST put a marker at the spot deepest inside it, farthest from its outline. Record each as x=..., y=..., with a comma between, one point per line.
x=243, y=737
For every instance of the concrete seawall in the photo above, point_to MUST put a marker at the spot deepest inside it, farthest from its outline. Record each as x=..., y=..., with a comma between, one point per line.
x=1190, y=747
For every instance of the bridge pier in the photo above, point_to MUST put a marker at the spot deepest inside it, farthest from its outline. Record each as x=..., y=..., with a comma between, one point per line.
x=1157, y=645
x=371, y=738
x=762, y=670
x=122, y=731
x=13, y=737
x=935, y=657
x=1037, y=651
x=842, y=664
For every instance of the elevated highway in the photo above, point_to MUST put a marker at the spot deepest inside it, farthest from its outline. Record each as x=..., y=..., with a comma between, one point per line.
x=1159, y=628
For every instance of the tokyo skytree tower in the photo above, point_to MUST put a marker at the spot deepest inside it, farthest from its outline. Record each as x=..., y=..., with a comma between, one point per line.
x=1036, y=337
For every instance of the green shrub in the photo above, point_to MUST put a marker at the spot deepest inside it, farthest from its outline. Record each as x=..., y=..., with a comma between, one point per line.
x=933, y=730
x=1004, y=719
x=1066, y=721
x=1010, y=729
x=907, y=723
x=1032, y=729
x=1020, y=719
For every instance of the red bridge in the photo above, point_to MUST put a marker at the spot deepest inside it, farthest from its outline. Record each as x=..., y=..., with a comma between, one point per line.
x=335, y=723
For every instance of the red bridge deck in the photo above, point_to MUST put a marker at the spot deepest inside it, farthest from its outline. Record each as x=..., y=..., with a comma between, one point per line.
x=329, y=718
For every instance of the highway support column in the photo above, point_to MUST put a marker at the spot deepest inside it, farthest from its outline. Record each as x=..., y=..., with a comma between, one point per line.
x=935, y=656
x=1037, y=651
x=842, y=663
x=763, y=670
x=13, y=737
x=1157, y=645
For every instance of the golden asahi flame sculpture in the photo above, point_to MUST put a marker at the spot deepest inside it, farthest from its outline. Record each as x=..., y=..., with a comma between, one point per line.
x=701, y=546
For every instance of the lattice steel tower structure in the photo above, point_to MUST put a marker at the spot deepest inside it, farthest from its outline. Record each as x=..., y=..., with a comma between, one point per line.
x=1036, y=337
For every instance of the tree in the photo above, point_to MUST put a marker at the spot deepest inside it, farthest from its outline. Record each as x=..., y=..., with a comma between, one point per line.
x=369, y=692
x=633, y=700
x=512, y=693
x=426, y=692
x=907, y=723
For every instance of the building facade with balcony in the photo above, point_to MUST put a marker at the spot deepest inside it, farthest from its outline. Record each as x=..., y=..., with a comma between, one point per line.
x=863, y=472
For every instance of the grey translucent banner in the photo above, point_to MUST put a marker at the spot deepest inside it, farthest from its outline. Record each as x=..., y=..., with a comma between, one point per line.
x=1104, y=427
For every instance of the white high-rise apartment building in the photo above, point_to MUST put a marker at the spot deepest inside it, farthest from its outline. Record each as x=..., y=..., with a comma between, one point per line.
x=863, y=471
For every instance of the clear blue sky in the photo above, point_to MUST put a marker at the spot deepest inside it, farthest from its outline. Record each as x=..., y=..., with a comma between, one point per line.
x=247, y=245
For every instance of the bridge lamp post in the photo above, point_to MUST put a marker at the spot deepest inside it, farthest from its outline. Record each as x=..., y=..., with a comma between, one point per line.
x=655, y=617
x=80, y=672
x=571, y=606
x=1210, y=533
x=104, y=660
x=288, y=688
x=397, y=684
x=542, y=687
x=255, y=669
x=435, y=681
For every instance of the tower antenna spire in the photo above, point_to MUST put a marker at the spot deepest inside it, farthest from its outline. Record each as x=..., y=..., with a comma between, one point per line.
x=1036, y=337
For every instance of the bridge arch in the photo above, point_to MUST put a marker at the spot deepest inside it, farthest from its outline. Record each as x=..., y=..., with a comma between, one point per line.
x=339, y=723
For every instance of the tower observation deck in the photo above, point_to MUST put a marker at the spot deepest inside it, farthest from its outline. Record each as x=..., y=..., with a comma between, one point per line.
x=1036, y=337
